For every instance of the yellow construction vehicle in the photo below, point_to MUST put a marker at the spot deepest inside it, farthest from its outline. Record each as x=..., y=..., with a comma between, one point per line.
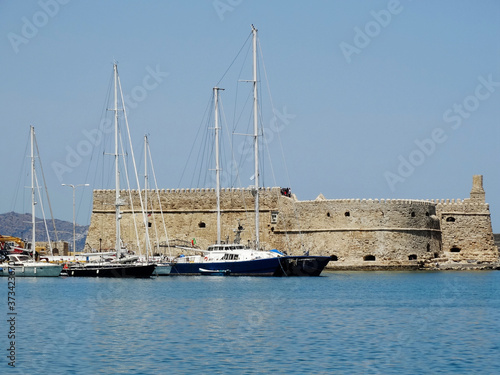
x=11, y=241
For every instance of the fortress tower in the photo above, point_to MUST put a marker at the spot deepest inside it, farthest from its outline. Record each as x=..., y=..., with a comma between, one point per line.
x=467, y=234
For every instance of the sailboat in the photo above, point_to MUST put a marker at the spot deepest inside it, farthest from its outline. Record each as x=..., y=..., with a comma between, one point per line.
x=234, y=259
x=122, y=265
x=21, y=265
x=162, y=267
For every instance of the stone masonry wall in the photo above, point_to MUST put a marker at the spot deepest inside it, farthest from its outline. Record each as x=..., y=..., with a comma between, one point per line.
x=466, y=227
x=354, y=232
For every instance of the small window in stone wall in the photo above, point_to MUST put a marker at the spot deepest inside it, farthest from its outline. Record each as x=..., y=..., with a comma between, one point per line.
x=274, y=217
x=328, y=214
x=450, y=219
x=369, y=258
x=412, y=257
x=413, y=214
x=428, y=247
x=454, y=249
x=149, y=224
x=333, y=258
x=426, y=214
x=347, y=213
x=201, y=224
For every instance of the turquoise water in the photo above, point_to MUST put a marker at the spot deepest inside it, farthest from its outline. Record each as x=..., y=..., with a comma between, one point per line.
x=340, y=323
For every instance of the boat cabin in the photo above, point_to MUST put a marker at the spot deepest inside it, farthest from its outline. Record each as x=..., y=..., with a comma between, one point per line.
x=226, y=247
x=19, y=258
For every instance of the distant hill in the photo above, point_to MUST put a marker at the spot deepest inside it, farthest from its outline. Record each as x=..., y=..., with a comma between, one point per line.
x=19, y=225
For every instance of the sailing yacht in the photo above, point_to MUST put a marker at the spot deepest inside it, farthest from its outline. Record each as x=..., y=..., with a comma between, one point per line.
x=21, y=265
x=224, y=259
x=123, y=265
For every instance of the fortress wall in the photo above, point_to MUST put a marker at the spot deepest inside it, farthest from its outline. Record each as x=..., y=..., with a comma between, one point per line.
x=188, y=214
x=392, y=231
x=387, y=229
x=351, y=229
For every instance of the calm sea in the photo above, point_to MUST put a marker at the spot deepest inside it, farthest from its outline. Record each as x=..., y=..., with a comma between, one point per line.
x=340, y=323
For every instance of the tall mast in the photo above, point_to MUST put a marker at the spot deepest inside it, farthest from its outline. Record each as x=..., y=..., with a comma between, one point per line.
x=33, y=203
x=117, y=170
x=256, y=137
x=146, y=243
x=217, y=165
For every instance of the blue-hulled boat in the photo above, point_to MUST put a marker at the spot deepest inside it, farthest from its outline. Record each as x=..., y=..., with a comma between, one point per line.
x=236, y=259
x=230, y=259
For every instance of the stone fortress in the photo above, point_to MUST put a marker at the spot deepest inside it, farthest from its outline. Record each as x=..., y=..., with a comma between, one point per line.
x=356, y=233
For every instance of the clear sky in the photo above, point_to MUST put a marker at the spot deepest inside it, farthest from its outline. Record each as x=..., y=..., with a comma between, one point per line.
x=374, y=99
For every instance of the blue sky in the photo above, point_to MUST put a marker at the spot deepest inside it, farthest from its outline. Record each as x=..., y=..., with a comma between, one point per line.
x=374, y=99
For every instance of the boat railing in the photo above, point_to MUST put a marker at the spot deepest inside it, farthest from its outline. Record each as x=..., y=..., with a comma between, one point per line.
x=178, y=243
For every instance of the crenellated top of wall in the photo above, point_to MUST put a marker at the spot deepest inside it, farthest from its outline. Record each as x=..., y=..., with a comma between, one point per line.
x=187, y=191
x=373, y=201
x=185, y=200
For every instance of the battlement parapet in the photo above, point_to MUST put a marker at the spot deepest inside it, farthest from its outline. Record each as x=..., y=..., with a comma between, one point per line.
x=369, y=201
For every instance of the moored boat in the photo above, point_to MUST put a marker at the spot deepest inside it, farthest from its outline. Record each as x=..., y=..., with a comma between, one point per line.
x=302, y=265
x=111, y=270
x=123, y=265
x=230, y=259
x=19, y=265
x=235, y=259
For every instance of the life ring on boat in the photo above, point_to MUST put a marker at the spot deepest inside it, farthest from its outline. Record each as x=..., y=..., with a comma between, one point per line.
x=65, y=266
x=206, y=258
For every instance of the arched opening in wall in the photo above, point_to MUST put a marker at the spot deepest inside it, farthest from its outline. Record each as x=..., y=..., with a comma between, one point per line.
x=454, y=249
x=149, y=224
x=347, y=213
x=369, y=258
x=328, y=214
x=201, y=224
x=412, y=257
x=436, y=255
x=450, y=219
x=413, y=214
x=428, y=247
x=55, y=251
x=427, y=214
x=333, y=258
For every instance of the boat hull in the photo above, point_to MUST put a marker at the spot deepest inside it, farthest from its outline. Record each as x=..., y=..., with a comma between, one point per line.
x=114, y=271
x=45, y=270
x=162, y=269
x=257, y=267
x=302, y=265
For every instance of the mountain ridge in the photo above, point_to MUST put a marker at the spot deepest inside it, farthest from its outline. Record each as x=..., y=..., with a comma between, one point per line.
x=19, y=225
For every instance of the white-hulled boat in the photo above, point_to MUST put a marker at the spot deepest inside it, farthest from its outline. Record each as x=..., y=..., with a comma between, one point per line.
x=20, y=265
